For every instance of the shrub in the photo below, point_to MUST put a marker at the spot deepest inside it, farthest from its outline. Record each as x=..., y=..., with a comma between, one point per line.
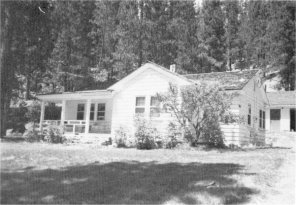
x=146, y=136
x=213, y=135
x=123, y=137
x=174, y=133
x=32, y=135
x=54, y=134
x=16, y=118
x=198, y=109
x=107, y=142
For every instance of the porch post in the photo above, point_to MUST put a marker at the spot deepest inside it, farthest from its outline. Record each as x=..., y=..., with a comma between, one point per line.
x=42, y=115
x=87, y=116
x=63, y=112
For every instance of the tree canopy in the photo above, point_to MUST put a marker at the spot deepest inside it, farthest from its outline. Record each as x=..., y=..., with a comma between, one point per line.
x=53, y=46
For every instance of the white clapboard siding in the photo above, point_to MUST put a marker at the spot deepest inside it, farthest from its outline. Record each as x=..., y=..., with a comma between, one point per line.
x=146, y=84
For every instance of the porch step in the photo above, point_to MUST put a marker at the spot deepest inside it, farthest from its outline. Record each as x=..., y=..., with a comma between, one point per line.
x=281, y=139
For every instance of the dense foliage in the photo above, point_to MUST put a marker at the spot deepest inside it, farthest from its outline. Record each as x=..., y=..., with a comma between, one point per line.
x=198, y=109
x=53, y=46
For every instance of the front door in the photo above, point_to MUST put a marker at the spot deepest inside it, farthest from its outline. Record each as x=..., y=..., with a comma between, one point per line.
x=275, y=119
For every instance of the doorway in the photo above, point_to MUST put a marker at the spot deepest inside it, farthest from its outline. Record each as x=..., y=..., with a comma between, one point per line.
x=292, y=120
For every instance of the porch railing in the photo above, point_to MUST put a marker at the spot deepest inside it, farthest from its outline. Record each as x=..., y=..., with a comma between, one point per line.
x=78, y=126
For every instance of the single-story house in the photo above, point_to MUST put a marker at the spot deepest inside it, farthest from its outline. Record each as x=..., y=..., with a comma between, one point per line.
x=101, y=112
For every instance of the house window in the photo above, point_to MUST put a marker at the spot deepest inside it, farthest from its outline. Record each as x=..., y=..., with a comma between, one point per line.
x=263, y=112
x=140, y=105
x=249, y=114
x=260, y=118
x=101, y=111
x=154, y=107
x=80, y=112
x=92, y=112
x=275, y=114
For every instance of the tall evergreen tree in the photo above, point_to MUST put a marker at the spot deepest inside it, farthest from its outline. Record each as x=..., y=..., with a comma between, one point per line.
x=71, y=58
x=212, y=36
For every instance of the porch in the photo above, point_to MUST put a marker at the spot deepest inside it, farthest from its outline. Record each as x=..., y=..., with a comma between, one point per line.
x=79, y=113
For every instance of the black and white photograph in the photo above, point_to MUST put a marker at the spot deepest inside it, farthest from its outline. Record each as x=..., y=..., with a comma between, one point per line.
x=148, y=102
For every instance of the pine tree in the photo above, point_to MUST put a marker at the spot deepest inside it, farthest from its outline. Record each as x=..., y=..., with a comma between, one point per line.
x=232, y=23
x=212, y=36
x=70, y=60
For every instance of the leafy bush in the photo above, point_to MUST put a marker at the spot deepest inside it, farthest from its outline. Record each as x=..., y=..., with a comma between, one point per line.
x=33, y=113
x=17, y=119
x=213, y=135
x=32, y=135
x=174, y=133
x=54, y=134
x=146, y=136
x=107, y=142
x=198, y=109
x=123, y=137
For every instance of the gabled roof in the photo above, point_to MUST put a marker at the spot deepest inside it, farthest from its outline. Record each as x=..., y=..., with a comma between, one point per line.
x=282, y=98
x=234, y=80
x=174, y=76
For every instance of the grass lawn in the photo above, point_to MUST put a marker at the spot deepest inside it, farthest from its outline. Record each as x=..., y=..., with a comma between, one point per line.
x=45, y=173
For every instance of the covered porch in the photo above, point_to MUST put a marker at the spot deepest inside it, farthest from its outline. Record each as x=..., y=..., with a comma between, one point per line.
x=84, y=112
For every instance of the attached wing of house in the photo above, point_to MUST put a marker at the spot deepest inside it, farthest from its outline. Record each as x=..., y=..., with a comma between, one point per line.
x=105, y=111
x=282, y=110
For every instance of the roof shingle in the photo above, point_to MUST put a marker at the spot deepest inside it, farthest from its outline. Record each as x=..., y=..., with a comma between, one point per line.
x=234, y=80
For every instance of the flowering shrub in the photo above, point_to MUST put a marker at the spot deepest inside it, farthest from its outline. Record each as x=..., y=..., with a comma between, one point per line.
x=198, y=109
x=54, y=134
x=123, y=137
x=146, y=136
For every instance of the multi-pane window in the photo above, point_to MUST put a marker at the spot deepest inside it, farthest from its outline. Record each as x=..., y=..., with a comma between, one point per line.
x=101, y=111
x=263, y=125
x=80, y=111
x=92, y=112
x=154, y=107
x=249, y=114
x=140, y=105
x=260, y=118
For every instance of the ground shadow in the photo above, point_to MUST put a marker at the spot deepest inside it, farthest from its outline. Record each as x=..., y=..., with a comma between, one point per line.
x=125, y=182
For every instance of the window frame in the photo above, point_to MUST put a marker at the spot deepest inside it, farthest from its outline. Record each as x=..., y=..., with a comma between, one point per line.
x=140, y=106
x=249, y=118
x=275, y=114
x=260, y=118
x=80, y=111
x=101, y=117
x=92, y=112
x=154, y=107
x=263, y=119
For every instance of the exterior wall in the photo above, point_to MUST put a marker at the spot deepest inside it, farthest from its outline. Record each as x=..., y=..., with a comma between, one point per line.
x=285, y=119
x=146, y=84
x=231, y=134
x=240, y=134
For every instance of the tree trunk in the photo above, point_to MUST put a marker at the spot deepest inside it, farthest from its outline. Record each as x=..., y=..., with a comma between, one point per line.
x=7, y=69
x=28, y=88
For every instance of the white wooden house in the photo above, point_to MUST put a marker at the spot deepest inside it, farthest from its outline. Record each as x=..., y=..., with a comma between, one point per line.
x=101, y=112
